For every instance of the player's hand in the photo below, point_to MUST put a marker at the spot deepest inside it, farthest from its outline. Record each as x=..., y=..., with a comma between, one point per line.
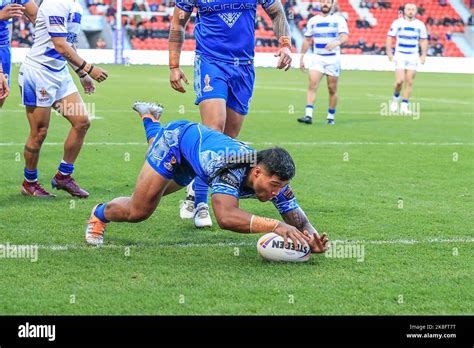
x=99, y=74
x=390, y=57
x=289, y=232
x=285, y=58
x=176, y=75
x=88, y=84
x=332, y=45
x=302, y=67
x=4, y=90
x=423, y=59
x=10, y=11
x=317, y=244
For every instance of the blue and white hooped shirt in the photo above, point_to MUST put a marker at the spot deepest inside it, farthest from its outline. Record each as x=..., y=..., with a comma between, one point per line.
x=56, y=18
x=408, y=34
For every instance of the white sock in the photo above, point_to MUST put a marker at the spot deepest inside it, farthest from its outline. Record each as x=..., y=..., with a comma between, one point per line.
x=309, y=110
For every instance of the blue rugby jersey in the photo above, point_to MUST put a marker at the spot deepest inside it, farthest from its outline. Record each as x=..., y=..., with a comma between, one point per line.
x=225, y=29
x=208, y=154
x=4, y=32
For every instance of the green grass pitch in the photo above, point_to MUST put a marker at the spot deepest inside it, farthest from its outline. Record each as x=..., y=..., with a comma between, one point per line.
x=401, y=187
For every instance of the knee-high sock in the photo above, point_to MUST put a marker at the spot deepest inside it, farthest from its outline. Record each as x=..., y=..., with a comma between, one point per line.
x=200, y=191
x=151, y=127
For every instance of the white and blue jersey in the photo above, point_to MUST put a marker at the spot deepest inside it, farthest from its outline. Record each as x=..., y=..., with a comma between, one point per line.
x=56, y=18
x=5, y=51
x=408, y=34
x=225, y=29
x=325, y=29
x=183, y=150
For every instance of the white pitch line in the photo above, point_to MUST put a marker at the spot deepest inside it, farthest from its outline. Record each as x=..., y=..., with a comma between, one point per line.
x=65, y=247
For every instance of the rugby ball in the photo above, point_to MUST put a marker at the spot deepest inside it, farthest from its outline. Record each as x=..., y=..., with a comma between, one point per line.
x=271, y=248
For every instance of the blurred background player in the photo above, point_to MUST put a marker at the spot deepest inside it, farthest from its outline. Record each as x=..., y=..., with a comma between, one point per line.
x=328, y=31
x=11, y=9
x=223, y=70
x=182, y=150
x=411, y=34
x=45, y=82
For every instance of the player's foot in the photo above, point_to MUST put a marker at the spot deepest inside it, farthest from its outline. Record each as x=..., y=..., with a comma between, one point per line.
x=68, y=184
x=186, y=209
x=305, y=119
x=404, y=109
x=394, y=106
x=202, y=218
x=330, y=121
x=35, y=189
x=146, y=109
x=95, y=229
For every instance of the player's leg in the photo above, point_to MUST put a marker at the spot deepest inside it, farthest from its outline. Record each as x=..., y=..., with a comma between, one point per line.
x=213, y=115
x=332, y=89
x=140, y=206
x=38, y=119
x=399, y=79
x=409, y=77
x=73, y=109
x=150, y=114
x=210, y=87
x=315, y=76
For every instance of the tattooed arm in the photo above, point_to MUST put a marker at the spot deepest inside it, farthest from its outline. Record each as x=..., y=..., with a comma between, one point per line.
x=282, y=31
x=175, y=43
x=71, y=56
x=298, y=219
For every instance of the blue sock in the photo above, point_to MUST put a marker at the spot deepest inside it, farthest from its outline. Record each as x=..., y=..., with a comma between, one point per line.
x=331, y=113
x=200, y=191
x=31, y=175
x=99, y=212
x=66, y=168
x=396, y=95
x=151, y=128
x=405, y=101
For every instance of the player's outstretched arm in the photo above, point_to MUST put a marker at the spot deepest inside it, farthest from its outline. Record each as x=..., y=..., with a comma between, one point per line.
x=282, y=32
x=175, y=44
x=230, y=217
x=298, y=219
x=68, y=52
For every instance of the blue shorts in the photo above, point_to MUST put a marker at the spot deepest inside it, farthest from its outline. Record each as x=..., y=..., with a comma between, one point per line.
x=6, y=57
x=217, y=79
x=165, y=157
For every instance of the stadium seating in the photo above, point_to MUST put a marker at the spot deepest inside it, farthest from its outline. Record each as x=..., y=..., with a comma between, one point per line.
x=151, y=32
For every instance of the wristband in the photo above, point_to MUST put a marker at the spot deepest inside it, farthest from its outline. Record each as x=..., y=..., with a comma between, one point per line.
x=285, y=41
x=82, y=76
x=90, y=70
x=78, y=70
x=174, y=67
x=259, y=224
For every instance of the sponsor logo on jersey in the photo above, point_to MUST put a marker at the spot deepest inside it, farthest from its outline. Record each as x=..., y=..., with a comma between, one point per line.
x=230, y=179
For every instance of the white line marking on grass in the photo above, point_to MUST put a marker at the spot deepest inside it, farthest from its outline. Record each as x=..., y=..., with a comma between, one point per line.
x=83, y=246
x=267, y=143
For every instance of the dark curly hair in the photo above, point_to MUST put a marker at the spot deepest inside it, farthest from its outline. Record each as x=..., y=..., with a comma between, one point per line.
x=278, y=162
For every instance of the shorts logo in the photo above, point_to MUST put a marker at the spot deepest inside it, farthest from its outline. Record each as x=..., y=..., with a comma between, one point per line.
x=230, y=18
x=207, y=81
x=44, y=95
